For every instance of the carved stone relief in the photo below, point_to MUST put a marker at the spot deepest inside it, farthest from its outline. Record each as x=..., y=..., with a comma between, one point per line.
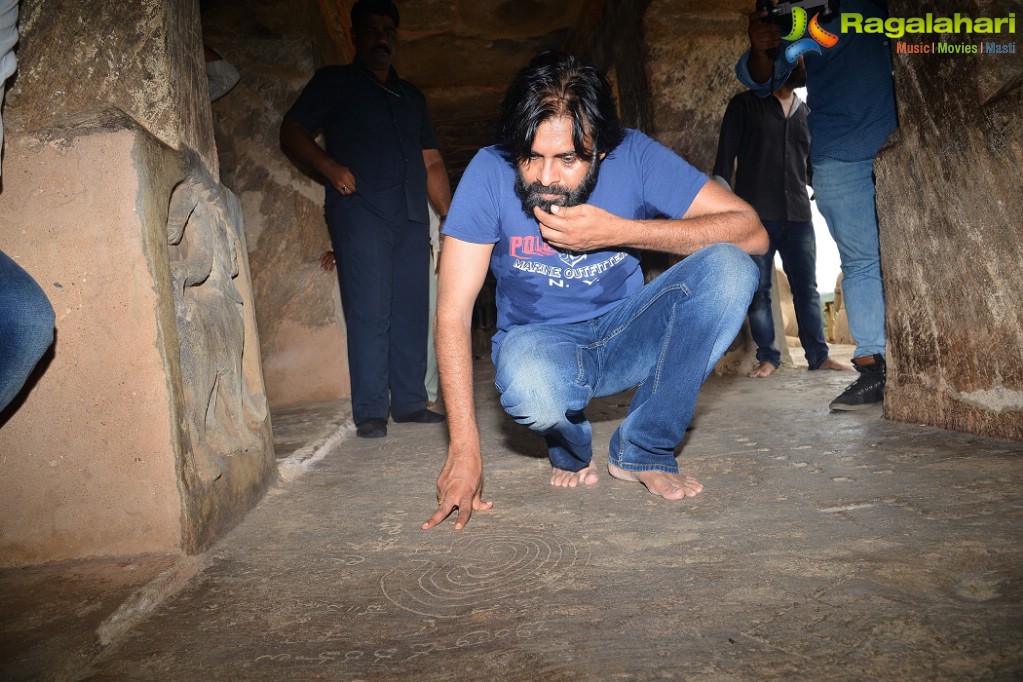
x=223, y=418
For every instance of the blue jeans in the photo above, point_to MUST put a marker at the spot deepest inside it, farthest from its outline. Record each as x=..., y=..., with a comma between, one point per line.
x=796, y=243
x=665, y=338
x=845, y=197
x=26, y=327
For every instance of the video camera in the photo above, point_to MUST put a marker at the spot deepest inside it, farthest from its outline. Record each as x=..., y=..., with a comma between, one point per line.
x=781, y=13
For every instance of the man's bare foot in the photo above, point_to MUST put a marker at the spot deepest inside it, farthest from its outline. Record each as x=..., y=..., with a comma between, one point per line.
x=835, y=365
x=668, y=486
x=765, y=369
x=570, y=479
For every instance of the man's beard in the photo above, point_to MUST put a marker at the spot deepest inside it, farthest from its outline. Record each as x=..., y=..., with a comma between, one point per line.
x=531, y=195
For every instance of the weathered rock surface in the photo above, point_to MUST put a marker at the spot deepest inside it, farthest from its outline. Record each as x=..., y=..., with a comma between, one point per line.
x=949, y=203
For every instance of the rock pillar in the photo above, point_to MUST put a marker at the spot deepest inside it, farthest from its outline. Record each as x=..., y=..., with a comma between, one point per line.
x=949, y=203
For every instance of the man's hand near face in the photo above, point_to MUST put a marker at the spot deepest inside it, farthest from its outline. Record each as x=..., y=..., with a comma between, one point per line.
x=578, y=229
x=716, y=215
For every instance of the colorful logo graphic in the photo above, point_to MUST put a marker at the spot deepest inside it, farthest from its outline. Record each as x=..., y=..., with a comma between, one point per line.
x=818, y=36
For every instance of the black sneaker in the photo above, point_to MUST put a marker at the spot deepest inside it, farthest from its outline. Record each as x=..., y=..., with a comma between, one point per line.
x=867, y=390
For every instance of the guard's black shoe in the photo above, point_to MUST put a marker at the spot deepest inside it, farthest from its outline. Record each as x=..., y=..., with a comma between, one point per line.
x=372, y=428
x=866, y=391
x=423, y=416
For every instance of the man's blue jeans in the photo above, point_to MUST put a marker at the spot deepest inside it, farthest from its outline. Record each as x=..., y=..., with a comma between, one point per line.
x=796, y=243
x=666, y=338
x=26, y=327
x=845, y=197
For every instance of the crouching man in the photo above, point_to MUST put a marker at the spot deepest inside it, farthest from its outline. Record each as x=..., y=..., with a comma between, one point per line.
x=559, y=210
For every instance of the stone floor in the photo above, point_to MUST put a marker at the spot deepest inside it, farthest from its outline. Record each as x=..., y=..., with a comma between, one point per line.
x=824, y=547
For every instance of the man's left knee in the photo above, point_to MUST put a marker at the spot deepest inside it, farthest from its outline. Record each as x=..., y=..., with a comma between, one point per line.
x=731, y=256
x=731, y=269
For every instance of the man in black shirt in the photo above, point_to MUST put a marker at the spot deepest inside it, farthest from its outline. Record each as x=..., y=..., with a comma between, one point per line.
x=380, y=167
x=770, y=140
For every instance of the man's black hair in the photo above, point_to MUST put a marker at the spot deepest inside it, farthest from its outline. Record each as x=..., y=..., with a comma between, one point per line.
x=384, y=8
x=557, y=84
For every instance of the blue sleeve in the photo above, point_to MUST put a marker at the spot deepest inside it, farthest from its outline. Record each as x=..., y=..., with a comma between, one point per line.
x=782, y=69
x=670, y=184
x=474, y=215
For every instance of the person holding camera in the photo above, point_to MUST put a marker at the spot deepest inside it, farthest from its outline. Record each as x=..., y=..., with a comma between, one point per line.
x=851, y=98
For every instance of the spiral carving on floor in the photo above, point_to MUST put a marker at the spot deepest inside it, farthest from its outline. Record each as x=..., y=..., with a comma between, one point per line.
x=482, y=572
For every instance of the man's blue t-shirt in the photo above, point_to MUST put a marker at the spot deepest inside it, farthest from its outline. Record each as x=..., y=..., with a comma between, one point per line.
x=537, y=284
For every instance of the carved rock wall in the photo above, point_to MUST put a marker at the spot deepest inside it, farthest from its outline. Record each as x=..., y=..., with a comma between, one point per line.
x=88, y=464
x=692, y=49
x=141, y=57
x=226, y=451
x=616, y=44
x=949, y=201
x=276, y=46
x=463, y=53
x=146, y=429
